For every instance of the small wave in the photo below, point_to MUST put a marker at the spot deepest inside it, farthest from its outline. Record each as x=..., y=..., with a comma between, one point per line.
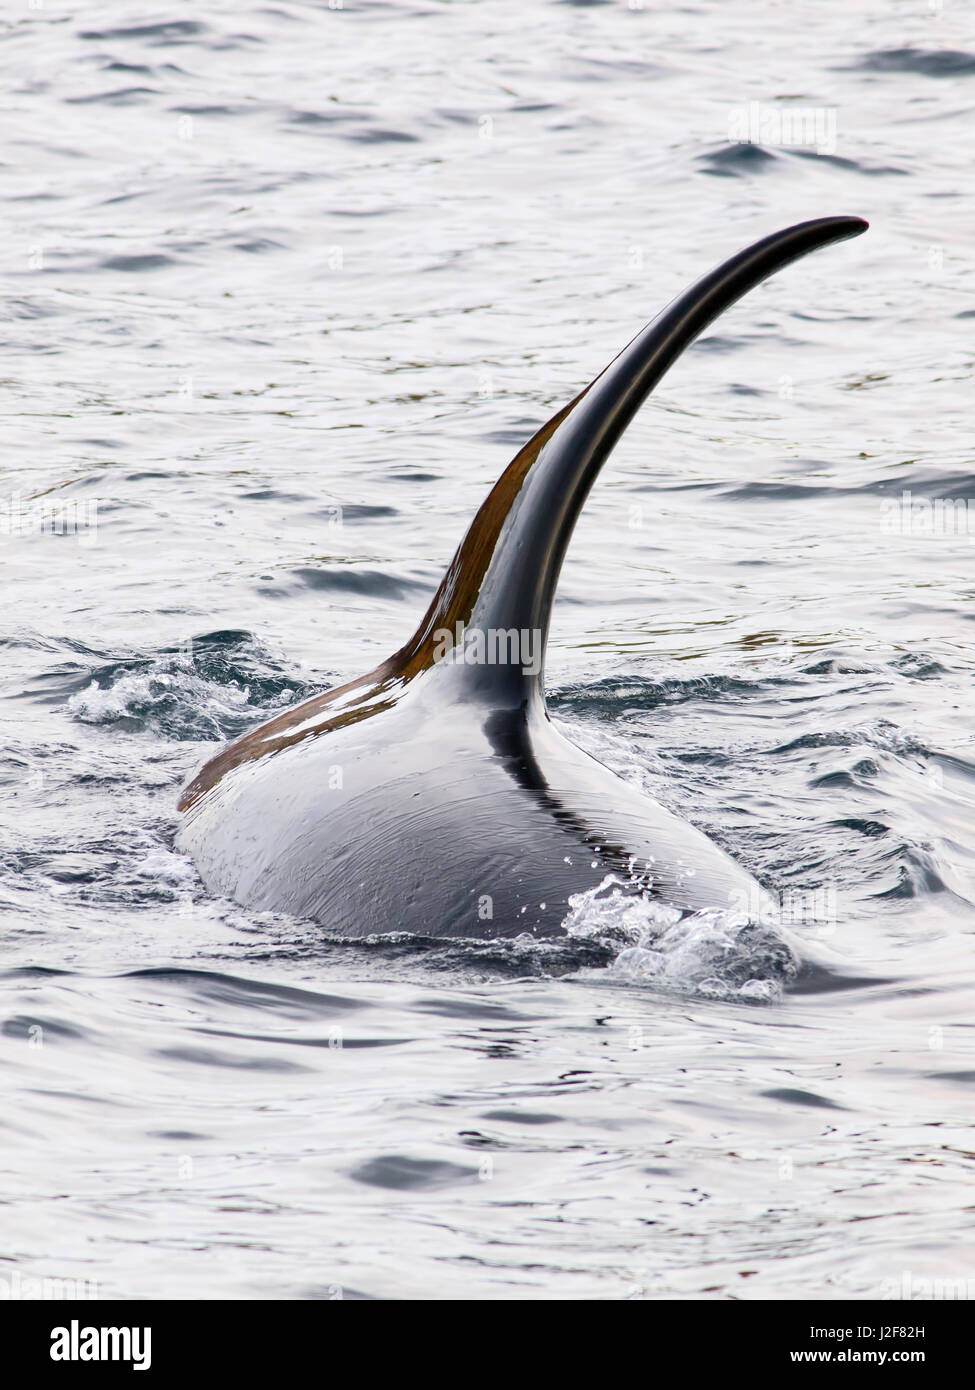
x=371, y=583
x=930, y=62
x=31, y=309
x=857, y=166
x=128, y=67
x=370, y=135
x=313, y=118
x=138, y=264
x=615, y=698
x=238, y=993
x=216, y=687
x=878, y=734
x=918, y=875
x=719, y=343
x=770, y=491
x=165, y=32
x=733, y=161
x=119, y=96
x=404, y=1174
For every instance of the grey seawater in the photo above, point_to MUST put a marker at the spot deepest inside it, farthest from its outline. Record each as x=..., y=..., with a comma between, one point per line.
x=284, y=287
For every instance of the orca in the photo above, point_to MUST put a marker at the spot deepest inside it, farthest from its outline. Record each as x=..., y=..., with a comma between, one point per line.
x=434, y=795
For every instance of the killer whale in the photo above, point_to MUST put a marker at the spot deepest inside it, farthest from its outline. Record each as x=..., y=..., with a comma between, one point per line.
x=434, y=794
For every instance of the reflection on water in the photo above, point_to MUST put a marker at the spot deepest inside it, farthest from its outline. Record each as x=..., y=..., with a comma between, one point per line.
x=273, y=327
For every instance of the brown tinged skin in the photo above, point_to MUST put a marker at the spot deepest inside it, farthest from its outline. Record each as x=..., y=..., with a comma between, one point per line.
x=453, y=603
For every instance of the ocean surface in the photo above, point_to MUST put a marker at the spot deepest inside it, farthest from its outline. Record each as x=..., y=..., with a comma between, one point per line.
x=284, y=287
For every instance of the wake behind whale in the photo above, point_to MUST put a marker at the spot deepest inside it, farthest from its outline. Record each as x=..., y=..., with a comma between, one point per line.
x=434, y=794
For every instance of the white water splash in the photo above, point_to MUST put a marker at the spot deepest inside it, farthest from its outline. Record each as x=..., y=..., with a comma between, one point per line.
x=176, y=702
x=715, y=953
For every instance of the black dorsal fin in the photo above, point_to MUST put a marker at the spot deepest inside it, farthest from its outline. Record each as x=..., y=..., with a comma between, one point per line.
x=503, y=576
